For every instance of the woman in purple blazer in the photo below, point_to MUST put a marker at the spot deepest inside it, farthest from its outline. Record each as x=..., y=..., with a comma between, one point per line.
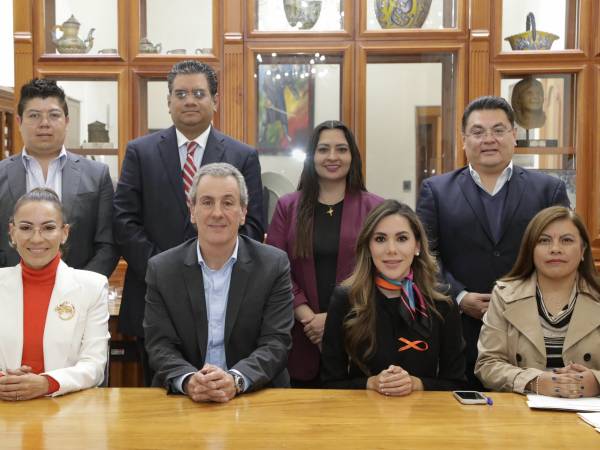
x=317, y=226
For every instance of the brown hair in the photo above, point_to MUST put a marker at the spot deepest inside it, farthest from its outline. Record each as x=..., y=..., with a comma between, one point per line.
x=359, y=324
x=524, y=265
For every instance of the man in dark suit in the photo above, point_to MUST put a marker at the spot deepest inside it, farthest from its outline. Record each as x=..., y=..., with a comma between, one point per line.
x=219, y=307
x=151, y=214
x=475, y=216
x=84, y=186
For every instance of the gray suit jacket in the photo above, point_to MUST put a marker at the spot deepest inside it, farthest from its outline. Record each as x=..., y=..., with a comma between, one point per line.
x=258, y=319
x=87, y=195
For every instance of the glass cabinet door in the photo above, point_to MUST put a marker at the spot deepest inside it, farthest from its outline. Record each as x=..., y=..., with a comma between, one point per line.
x=544, y=106
x=294, y=93
x=93, y=129
x=176, y=27
x=409, y=122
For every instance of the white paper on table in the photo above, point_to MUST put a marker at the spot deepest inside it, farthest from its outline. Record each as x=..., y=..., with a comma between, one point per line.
x=567, y=404
x=592, y=419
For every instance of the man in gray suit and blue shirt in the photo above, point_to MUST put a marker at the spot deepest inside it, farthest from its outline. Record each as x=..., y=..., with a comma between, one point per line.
x=84, y=186
x=218, y=310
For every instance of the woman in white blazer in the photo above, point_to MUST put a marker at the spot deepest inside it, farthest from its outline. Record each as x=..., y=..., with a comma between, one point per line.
x=53, y=319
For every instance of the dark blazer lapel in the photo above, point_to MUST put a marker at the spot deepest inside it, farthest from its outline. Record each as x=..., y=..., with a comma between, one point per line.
x=240, y=275
x=215, y=148
x=71, y=174
x=17, y=178
x=167, y=148
x=469, y=190
x=516, y=185
x=194, y=283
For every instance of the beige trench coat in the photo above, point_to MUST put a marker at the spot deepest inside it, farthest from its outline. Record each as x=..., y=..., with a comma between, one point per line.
x=511, y=344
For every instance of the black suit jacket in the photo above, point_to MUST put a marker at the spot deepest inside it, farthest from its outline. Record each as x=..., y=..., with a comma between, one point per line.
x=451, y=210
x=150, y=210
x=87, y=198
x=258, y=319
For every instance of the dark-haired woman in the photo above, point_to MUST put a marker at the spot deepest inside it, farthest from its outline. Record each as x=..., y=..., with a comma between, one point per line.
x=388, y=328
x=541, y=332
x=317, y=226
x=53, y=319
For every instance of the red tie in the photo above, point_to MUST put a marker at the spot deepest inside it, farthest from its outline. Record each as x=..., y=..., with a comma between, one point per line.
x=189, y=168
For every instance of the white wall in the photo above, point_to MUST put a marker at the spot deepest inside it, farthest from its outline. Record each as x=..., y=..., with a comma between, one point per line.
x=7, y=59
x=393, y=92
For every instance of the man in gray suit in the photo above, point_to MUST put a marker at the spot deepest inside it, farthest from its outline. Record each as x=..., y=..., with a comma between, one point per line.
x=218, y=310
x=84, y=186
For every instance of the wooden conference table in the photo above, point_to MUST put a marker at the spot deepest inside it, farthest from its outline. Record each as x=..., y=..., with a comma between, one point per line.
x=143, y=418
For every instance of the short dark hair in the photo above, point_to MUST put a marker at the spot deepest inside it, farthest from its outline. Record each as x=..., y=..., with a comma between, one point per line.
x=41, y=88
x=190, y=67
x=488, y=102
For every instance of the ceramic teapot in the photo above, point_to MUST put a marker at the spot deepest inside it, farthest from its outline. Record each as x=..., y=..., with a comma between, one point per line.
x=70, y=42
x=147, y=47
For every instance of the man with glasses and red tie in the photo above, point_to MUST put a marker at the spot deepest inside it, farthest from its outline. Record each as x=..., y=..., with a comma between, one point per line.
x=475, y=216
x=83, y=186
x=151, y=212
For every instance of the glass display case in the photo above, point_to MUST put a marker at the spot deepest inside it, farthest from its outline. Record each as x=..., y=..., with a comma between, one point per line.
x=406, y=14
x=93, y=129
x=299, y=15
x=294, y=92
x=410, y=136
x=540, y=25
x=545, y=106
x=80, y=28
x=176, y=27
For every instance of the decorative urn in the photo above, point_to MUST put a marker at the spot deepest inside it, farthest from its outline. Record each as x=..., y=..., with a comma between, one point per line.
x=402, y=13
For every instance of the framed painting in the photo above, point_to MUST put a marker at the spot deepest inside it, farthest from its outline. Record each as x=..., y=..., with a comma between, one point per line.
x=285, y=107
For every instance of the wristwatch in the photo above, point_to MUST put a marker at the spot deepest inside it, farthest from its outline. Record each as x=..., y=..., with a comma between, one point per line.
x=238, y=381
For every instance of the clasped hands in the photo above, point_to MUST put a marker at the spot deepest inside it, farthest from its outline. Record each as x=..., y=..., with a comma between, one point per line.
x=210, y=384
x=314, y=327
x=572, y=381
x=394, y=381
x=22, y=384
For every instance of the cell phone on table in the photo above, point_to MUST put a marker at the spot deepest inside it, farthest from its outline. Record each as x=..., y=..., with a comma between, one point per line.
x=470, y=397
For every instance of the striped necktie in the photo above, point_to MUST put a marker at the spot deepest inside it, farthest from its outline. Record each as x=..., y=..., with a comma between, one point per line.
x=189, y=168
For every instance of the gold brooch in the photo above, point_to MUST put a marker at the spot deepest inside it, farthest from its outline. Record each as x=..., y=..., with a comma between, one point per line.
x=65, y=310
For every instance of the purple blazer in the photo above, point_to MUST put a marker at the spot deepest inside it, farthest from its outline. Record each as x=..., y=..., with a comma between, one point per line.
x=303, y=362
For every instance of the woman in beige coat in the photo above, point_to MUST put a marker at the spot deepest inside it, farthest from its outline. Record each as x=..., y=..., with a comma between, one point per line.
x=541, y=333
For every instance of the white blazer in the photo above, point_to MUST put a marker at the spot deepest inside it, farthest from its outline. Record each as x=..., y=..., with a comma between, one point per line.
x=75, y=349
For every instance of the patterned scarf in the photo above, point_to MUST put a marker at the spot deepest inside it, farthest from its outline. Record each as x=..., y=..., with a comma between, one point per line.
x=416, y=314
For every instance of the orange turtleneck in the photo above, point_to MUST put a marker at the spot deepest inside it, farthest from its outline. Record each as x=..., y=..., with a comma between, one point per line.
x=38, y=285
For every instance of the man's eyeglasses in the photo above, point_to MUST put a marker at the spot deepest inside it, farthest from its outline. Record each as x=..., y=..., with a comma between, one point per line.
x=38, y=116
x=480, y=133
x=198, y=94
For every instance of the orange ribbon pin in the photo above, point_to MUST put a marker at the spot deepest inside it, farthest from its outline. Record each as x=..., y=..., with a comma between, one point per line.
x=419, y=346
